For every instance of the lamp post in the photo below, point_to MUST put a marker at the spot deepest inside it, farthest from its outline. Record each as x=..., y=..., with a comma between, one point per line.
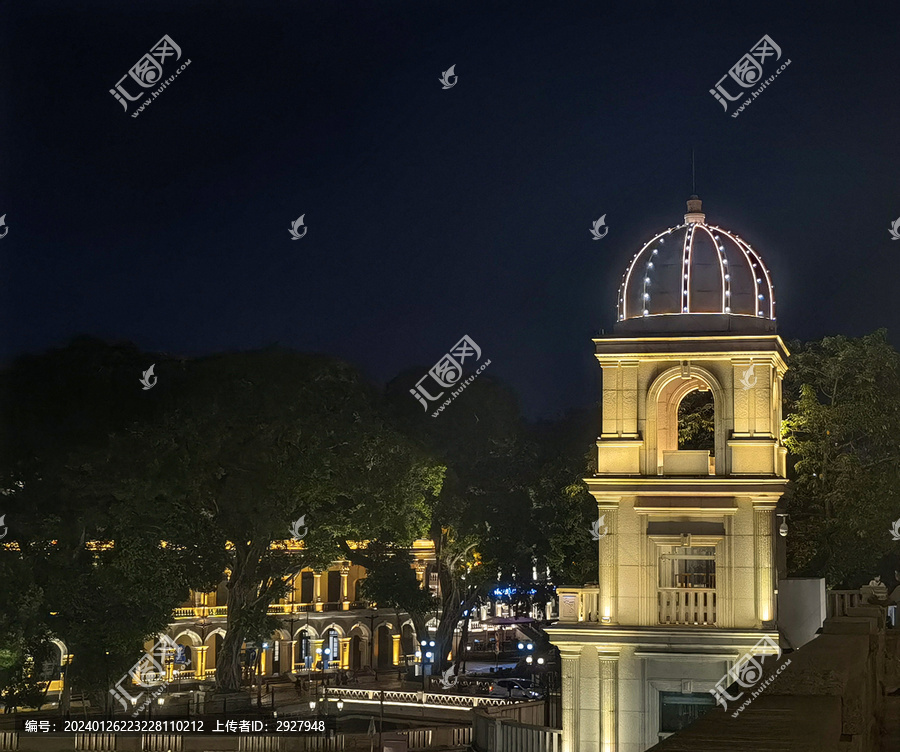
x=106, y=696
x=372, y=642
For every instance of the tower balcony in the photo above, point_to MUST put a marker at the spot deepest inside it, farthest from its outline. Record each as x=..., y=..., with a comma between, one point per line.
x=687, y=606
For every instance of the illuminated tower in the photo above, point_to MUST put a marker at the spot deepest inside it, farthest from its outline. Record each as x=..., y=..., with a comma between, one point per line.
x=686, y=579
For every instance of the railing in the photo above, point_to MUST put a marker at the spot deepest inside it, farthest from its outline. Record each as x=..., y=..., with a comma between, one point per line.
x=579, y=604
x=428, y=738
x=275, y=609
x=838, y=601
x=694, y=606
x=491, y=734
x=426, y=698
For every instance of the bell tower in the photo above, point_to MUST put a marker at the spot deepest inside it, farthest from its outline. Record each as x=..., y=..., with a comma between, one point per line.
x=690, y=468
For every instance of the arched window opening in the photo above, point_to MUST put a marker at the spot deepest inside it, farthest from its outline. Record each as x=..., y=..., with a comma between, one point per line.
x=697, y=422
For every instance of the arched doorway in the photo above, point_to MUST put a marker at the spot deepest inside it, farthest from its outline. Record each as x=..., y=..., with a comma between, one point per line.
x=384, y=648
x=305, y=655
x=331, y=649
x=356, y=660
x=407, y=639
x=183, y=659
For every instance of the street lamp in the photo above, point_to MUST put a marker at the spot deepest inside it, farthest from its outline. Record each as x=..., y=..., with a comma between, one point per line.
x=340, y=705
x=783, y=529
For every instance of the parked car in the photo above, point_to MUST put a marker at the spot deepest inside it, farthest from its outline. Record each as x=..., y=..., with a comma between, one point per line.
x=519, y=689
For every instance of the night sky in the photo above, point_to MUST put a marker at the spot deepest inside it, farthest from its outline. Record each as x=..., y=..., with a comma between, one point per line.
x=432, y=213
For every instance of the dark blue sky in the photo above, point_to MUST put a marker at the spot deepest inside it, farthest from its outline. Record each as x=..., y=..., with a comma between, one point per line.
x=432, y=213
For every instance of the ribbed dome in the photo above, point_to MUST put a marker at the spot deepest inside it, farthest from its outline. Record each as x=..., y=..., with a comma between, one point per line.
x=693, y=269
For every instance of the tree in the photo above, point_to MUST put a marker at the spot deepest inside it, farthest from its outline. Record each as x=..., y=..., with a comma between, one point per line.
x=481, y=522
x=248, y=443
x=391, y=582
x=842, y=400
x=697, y=421
x=102, y=602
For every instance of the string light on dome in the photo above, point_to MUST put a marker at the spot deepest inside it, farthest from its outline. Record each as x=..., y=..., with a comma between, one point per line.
x=646, y=296
x=684, y=310
x=727, y=309
x=727, y=277
x=656, y=250
x=646, y=312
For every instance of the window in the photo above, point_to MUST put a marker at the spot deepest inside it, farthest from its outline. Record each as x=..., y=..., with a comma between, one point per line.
x=688, y=567
x=306, y=587
x=678, y=711
x=697, y=422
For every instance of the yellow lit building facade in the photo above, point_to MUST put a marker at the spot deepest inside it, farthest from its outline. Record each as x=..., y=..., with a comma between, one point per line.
x=687, y=578
x=324, y=622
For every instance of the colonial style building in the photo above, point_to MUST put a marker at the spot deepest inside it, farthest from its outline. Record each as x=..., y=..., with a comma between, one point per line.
x=324, y=622
x=686, y=579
